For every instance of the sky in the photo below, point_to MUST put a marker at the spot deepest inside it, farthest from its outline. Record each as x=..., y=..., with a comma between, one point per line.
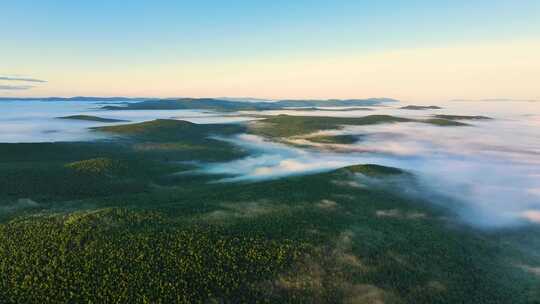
x=410, y=50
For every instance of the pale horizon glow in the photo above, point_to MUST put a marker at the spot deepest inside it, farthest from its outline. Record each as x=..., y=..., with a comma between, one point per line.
x=285, y=57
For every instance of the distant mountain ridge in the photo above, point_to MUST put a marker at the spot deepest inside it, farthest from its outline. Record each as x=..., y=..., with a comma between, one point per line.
x=232, y=105
x=223, y=104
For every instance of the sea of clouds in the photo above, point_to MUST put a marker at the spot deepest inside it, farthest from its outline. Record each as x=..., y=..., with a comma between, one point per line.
x=37, y=121
x=490, y=171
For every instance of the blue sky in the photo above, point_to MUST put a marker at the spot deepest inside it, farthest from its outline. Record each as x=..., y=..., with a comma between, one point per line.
x=73, y=40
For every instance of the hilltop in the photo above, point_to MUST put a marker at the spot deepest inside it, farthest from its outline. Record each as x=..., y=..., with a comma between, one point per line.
x=419, y=108
x=171, y=129
x=91, y=118
x=289, y=125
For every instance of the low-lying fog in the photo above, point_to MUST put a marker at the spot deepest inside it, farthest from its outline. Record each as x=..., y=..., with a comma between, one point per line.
x=489, y=171
x=36, y=121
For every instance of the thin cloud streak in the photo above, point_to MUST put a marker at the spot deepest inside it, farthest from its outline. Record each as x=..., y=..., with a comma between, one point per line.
x=23, y=79
x=15, y=87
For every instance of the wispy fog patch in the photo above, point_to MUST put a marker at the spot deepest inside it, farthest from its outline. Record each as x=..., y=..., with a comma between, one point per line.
x=530, y=269
x=484, y=189
x=241, y=210
x=396, y=213
x=20, y=204
x=349, y=183
x=532, y=215
x=488, y=173
x=271, y=160
x=327, y=204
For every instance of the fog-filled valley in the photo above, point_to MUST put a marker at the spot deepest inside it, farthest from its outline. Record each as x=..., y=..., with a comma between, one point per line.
x=224, y=200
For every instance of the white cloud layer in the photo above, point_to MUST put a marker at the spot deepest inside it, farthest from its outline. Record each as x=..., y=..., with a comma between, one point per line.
x=488, y=171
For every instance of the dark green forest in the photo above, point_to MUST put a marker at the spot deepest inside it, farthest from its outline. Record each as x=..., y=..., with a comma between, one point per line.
x=130, y=220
